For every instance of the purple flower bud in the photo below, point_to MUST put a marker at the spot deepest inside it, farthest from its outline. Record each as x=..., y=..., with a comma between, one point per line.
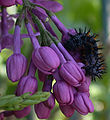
x=50, y=103
x=42, y=111
x=67, y=110
x=27, y=84
x=71, y=74
x=83, y=104
x=84, y=87
x=22, y=113
x=16, y=66
x=45, y=59
x=63, y=93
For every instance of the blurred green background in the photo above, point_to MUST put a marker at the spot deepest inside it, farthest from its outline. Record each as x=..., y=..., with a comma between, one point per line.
x=93, y=14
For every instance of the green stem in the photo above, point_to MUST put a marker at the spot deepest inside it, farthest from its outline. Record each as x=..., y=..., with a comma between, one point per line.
x=20, y=18
x=37, y=21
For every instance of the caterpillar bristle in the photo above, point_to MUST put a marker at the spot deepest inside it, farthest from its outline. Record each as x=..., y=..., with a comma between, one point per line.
x=90, y=52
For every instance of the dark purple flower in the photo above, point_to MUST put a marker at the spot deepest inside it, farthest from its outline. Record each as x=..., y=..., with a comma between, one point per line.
x=67, y=110
x=45, y=59
x=50, y=103
x=42, y=111
x=84, y=87
x=16, y=63
x=63, y=93
x=83, y=104
x=16, y=66
x=28, y=83
x=71, y=73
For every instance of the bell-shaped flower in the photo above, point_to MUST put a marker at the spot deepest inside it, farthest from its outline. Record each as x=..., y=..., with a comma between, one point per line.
x=28, y=83
x=16, y=67
x=71, y=74
x=83, y=104
x=43, y=109
x=45, y=59
x=84, y=87
x=63, y=92
x=67, y=110
x=16, y=63
x=50, y=103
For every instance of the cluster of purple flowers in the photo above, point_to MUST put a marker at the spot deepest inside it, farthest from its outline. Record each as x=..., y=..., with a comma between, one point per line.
x=52, y=61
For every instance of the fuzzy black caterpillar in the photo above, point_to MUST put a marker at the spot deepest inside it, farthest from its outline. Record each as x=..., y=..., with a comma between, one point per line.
x=89, y=50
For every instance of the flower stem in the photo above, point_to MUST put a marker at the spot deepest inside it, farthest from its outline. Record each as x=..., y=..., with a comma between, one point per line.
x=32, y=37
x=32, y=69
x=4, y=25
x=17, y=39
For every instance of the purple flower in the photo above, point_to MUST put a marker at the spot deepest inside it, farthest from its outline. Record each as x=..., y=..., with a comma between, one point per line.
x=84, y=87
x=42, y=111
x=8, y=3
x=71, y=73
x=28, y=83
x=16, y=63
x=50, y=103
x=83, y=104
x=22, y=113
x=16, y=66
x=45, y=59
x=63, y=93
x=67, y=110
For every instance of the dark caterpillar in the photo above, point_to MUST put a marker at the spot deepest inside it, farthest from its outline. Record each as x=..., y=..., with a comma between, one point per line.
x=90, y=53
